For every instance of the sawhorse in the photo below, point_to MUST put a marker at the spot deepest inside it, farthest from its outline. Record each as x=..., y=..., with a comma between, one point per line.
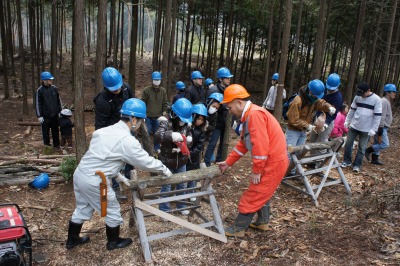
x=142, y=203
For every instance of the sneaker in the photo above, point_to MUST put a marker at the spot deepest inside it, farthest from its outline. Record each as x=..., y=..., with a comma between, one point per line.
x=344, y=164
x=193, y=199
x=356, y=169
x=185, y=212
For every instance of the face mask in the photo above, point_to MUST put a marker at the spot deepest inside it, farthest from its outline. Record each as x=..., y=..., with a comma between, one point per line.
x=212, y=110
x=181, y=123
x=156, y=82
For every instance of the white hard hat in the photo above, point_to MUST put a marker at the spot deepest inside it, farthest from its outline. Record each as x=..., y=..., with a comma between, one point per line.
x=66, y=112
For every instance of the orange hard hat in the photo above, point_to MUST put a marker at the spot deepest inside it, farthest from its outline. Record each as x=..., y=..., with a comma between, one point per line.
x=234, y=91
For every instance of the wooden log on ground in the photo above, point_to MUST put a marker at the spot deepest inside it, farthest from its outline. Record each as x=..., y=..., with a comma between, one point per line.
x=194, y=175
x=20, y=181
x=6, y=158
x=316, y=145
x=34, y=160
x=35, y=124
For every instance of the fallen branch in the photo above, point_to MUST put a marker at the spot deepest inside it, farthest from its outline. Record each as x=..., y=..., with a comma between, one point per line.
x=35, y=124
x=19, y=181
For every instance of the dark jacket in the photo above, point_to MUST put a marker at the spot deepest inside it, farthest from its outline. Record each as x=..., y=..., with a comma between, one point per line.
x=222, y=110
x=196, y=94
x=108, y=105
x=48, y=102
x=66, y=126
x=180, y=94
x=336, y=100
x=163, y=135
x=199, y=138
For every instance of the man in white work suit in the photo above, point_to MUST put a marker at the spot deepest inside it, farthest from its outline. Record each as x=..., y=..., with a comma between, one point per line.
x=110, y=148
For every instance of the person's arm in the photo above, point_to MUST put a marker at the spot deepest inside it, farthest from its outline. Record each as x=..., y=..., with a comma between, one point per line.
x=39, y=103
x=59, y=102
x=377, y=115
x=102, y=114
x=351, y=112
x=260, y=141
x=199, y=146
x=165, y=102
x=163, y=133
x=293, y=114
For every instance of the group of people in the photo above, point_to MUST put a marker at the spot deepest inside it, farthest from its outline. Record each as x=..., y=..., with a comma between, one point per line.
x=197, y=114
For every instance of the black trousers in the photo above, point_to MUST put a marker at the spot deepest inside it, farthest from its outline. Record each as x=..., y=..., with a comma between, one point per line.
x=47, y=125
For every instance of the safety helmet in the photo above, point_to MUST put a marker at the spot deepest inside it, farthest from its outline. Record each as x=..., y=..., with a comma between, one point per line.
x=209, y=82
x=199, y=109
x=41, y=181
x=234, y=91
x=134, y=107
x=224, y=72
x=317, y=88
x=333, y=82
x=112, y=79
x=216, y=96
x=196, y=75
x=156, y=75
x=390, y=88
x=180, y=86
x=46, y=75
x=183, y=109
x=66, y=112
x=275, y=76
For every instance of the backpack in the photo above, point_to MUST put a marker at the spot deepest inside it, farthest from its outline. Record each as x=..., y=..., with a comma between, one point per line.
x=285, y=106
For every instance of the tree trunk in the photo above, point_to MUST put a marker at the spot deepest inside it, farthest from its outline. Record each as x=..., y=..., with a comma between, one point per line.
x=187, y=34
x=77, y=78
x=112, y=30
x=156, y=48
x=101, y=44
x=4, y=53
x=121, y=59
x=296, y=49
x=269, y=48
x=54, y=38
x=22, y=61
x=32, y=39
x=230, y=27
x=319, y=42
x=132, y=56
x=166, y=44
x=278, y=37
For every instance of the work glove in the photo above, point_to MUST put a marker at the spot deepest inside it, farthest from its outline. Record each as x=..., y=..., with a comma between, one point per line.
x=176, y=137
x=346, y=124
x=310, y=127
x=122, y=179
x=223, y=166
x=41, y=120
x=183, y=146
x=162, y=118
x=371, y=133
x=189, y=139
x=166, y=172
x=203, y=165
x=255, y=178
x=324, y=127
x=332, y=110
x=164, y=113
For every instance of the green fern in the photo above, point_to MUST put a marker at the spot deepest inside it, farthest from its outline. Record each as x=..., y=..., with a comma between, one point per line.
x=67, y=167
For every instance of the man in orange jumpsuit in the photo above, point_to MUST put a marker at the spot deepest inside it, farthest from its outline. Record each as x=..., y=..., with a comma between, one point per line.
x=261, y=135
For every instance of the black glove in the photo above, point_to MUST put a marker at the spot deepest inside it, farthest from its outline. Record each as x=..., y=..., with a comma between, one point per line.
x=380, y=131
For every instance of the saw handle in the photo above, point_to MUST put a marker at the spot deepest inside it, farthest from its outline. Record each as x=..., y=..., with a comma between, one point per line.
x=103, y=193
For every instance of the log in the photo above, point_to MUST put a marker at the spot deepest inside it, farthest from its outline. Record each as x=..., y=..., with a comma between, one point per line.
x=35, y=124
x=19, y=181
x=316, y=145
x=194, y=175
x=32, y=160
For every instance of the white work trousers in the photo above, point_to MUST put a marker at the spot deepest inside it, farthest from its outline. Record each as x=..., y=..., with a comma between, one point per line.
x=87, y=198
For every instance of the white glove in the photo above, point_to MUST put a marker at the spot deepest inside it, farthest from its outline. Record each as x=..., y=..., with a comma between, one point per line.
x=310, y=127
x=166, y=173
x=177, y=137
x=332, y=110
x=41, y=120
x=324, y=127
x=371, y=133
x=189, y=139
x=234, y=125
x=162, y=118
x=346, y=124
x=176, y=150
x=122, y=179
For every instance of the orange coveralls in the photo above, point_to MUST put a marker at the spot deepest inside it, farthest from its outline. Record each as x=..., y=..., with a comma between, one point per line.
x=263, y=137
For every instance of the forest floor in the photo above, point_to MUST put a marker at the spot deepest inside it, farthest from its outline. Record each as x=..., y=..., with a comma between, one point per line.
x=343, y=230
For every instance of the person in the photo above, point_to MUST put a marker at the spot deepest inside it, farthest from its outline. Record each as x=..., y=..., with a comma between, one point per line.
x=66, y=126
x=269, y=102
x=224, y=80
x=110, y=148
x=264, y=138
x=339, y=129
x=155, y=98
x=335, y=98
x=109, y=101
x=213, y=104
x=381, y=139
x=198, y=132
x=48, y=108
x=363, y=122
x=196, y=93
x=180, y=91
x=301, y=110
x=174, y=135
x=208, y=84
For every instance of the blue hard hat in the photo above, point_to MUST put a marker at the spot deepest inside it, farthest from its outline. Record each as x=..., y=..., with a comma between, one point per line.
x=199, y=109
x=333, y=82
x=317, y=88
x=275, y=76
x=46, y=75
x=196, y=75
x=134, y=107
x=209, y=82
x=224, y=72
x=41, y=181
x=216, y=96
x=112, y=79
x=390, y=88
x=180, y=86
x=183, y=109
x=156, y=75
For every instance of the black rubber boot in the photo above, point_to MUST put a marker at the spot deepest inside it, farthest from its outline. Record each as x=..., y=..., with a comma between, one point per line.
x=263, y=218
x=242, y=221
x=368, y=152
x=375, y=160
x=114, y=241
x=73, y=236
